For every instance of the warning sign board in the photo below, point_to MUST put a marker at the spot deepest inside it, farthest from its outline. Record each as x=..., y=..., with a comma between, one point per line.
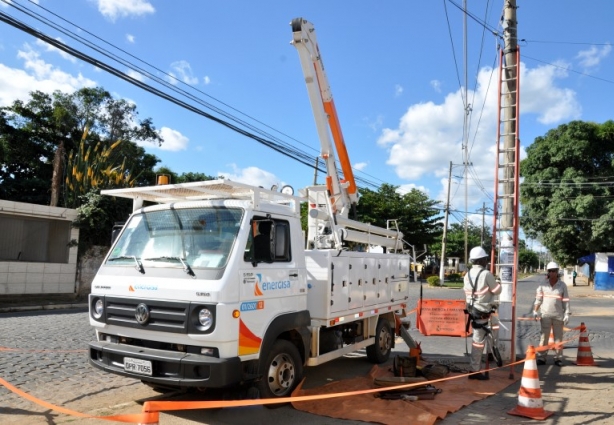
x=442, y=317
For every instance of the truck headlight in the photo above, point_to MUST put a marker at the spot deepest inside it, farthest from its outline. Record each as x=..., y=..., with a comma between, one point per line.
x=205, y=318
x=98, y=309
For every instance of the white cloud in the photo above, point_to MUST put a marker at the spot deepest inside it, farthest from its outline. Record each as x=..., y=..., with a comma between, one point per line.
x=398, y=90
x=37, y=75
x=406, y=188
x=206, y=80
x=114, y=9
x=360, y=166
x=593, y=56
x=182, y=71
x=49, y=48
x=436, y=84
x=6, y=3
x=135, y=74
x=173, y=140
x=430, y=135
x=540, y=95
x=374, y=124
x=130, y=38
x=251, y=175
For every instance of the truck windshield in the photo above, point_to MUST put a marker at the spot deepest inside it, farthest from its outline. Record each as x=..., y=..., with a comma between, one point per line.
x=198, y=237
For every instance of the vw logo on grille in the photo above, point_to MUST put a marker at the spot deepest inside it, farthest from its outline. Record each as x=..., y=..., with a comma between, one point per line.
x=142, y=314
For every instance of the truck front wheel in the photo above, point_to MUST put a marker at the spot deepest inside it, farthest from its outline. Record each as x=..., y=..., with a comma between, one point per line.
x=282, y=371
x=380, y=351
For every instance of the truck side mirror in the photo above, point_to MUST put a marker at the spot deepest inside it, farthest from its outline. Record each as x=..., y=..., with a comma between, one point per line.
x=117, y=228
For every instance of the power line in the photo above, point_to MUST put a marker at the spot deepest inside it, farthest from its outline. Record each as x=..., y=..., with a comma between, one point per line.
x=569, y=69
x=277, y=145
x=524, y=40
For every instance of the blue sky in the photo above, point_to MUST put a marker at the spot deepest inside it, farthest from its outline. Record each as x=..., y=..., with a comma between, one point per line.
x=396, y=70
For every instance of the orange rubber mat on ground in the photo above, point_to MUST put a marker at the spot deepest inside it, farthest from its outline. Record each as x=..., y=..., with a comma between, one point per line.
x=456, y=393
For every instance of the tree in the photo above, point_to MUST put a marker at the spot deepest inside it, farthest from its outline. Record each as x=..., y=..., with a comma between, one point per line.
x=416, y=215
x=183, y=177
x=91, y=169
x=41, y=132
x=527, y=259
x=455, y=243
x=567, y=194
x=96, y=216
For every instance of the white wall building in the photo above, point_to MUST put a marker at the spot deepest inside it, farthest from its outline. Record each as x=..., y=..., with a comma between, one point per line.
x=38, y=250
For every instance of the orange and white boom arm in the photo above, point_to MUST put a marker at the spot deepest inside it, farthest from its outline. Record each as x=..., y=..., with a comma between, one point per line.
x=342, y=193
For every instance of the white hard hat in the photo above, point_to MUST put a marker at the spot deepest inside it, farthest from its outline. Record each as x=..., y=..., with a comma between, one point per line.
x=552, y=265
x=477, y=253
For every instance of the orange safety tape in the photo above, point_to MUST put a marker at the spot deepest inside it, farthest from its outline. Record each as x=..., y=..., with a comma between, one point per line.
x=151, y=408
x=145, y=417
x=556, y=345
x=160, y=406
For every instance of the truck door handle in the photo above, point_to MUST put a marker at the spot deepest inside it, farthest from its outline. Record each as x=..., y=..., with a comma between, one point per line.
x=294, y=275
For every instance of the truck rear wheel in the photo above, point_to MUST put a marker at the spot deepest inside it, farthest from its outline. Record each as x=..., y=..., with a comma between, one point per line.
x=380, y=351
x=282, y=371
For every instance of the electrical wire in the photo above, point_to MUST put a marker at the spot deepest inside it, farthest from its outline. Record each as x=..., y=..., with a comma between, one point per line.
x=277, y=145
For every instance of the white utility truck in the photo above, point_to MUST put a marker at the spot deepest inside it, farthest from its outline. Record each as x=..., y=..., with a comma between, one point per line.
x=215, y=284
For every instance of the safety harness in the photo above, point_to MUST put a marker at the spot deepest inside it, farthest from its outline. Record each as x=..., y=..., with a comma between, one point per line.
x=474, y=314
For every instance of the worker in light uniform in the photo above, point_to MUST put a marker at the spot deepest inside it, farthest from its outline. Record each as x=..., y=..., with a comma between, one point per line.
x=552, y=309
x=481, y=290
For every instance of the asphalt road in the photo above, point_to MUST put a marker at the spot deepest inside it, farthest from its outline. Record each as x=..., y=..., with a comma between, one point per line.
x=45, y=354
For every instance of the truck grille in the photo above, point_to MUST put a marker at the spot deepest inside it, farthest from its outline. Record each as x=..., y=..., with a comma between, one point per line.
x=164, y=316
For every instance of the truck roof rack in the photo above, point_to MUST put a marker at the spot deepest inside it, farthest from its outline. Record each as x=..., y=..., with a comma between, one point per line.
x=200, y=191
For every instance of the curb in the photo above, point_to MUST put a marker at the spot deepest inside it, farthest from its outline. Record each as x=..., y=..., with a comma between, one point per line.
x=17, y=309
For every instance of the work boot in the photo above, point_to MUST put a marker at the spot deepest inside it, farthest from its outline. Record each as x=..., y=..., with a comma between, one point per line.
x=479, y=376
x=541, y=362
x=559, y=363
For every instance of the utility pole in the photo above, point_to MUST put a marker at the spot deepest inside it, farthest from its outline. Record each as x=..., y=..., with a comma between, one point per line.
x=465, y=142
x=315, y=172
x=508, y=233
x=483, y=210
x=445, y=230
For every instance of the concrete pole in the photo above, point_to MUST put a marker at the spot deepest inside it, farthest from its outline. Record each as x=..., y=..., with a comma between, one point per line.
x=508, y=101
x=445, y=230
x=466, y=131
x=483, y=213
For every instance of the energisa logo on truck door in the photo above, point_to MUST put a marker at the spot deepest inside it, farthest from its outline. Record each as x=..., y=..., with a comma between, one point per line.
x=261, y=286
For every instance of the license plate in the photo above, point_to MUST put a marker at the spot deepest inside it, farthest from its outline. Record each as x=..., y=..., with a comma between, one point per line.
x=139, y=366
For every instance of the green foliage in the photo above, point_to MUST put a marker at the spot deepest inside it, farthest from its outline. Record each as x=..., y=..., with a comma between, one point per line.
x=182, y=178
x=528, y=259
x=455, y=244
x=415, y=213
x=96, y=216
x=433, y=280
x=567, y=196
x=454, y=277
x=30, y=133
x=304, y=218
x=91, y=169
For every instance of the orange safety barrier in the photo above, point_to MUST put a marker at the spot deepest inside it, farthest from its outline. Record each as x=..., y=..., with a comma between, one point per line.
x=442, y=318
x=585, y=355
x=530, y=404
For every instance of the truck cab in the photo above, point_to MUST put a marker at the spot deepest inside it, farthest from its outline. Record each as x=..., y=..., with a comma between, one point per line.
x=189, y=289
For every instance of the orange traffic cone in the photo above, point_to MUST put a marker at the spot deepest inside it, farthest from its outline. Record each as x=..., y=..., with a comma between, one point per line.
x=551, y=340
x=585, y=355
x=530, y=404
x=149, y=416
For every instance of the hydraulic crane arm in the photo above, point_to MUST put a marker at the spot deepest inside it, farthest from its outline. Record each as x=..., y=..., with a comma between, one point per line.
x=342, y=192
